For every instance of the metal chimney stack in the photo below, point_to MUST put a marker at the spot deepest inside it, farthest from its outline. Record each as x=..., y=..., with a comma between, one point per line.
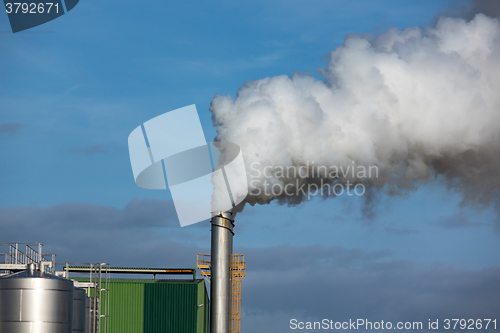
x=220, y=270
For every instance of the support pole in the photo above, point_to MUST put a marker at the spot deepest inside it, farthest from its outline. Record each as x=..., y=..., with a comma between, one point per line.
x=220, y=270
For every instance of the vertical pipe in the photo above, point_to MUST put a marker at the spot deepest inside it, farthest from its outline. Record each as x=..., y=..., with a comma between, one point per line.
x=106, y=312
x=100, y=300
x=94, y=300
x=220, y=271
x=31, y=269
x=40, y=252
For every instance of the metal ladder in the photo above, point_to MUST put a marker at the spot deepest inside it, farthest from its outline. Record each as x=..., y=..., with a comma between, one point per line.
x=98, y=284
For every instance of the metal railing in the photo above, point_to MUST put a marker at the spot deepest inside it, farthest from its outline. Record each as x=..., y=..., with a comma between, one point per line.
x=15, y=259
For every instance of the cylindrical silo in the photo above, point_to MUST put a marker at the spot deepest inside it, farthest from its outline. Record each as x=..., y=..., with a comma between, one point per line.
x=79, y=307
x=35, y=302
x=220, y=271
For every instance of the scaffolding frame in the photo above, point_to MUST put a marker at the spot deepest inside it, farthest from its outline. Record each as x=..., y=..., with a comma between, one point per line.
x=238, y=271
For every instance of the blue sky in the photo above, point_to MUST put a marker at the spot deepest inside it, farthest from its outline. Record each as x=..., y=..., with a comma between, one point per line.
x=78, y=85
x=87, y=79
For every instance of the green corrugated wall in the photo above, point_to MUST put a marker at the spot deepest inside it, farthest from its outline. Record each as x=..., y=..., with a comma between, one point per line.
x=170, y=307
x=157, y=306
x=203, y=309
x=126, y=303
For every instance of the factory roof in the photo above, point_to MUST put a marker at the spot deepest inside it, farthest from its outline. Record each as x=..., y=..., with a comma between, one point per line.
x=135, y=270
x=125, y=280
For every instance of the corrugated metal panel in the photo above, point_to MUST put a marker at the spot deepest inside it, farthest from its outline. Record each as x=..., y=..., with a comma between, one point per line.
x=203, y=311
x=126, y=307
x=170, y=307
x=157, y=306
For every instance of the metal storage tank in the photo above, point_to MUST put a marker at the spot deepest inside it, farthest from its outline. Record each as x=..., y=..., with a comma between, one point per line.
x=79, y=307
x=35, y=302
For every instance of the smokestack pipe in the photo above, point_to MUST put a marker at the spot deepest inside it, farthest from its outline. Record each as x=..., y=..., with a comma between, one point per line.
x=220, y=271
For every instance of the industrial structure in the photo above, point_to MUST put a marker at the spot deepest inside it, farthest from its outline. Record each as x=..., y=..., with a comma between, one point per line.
x=220, y=272
x=151, y=306
x=18, y=255
x=238, y=271
x=224, y=271
x=156, y=306
x=33, y=300
x=97, y=290
x=84, y=298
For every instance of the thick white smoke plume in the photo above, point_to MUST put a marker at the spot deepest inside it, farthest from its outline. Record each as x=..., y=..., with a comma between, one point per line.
x=418, y=105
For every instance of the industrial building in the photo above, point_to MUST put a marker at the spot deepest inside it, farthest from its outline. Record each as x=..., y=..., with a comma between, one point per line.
x=156, y=306
x=36, y=298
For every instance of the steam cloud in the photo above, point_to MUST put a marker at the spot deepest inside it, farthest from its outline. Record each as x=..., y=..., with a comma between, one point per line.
x=421, y=105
